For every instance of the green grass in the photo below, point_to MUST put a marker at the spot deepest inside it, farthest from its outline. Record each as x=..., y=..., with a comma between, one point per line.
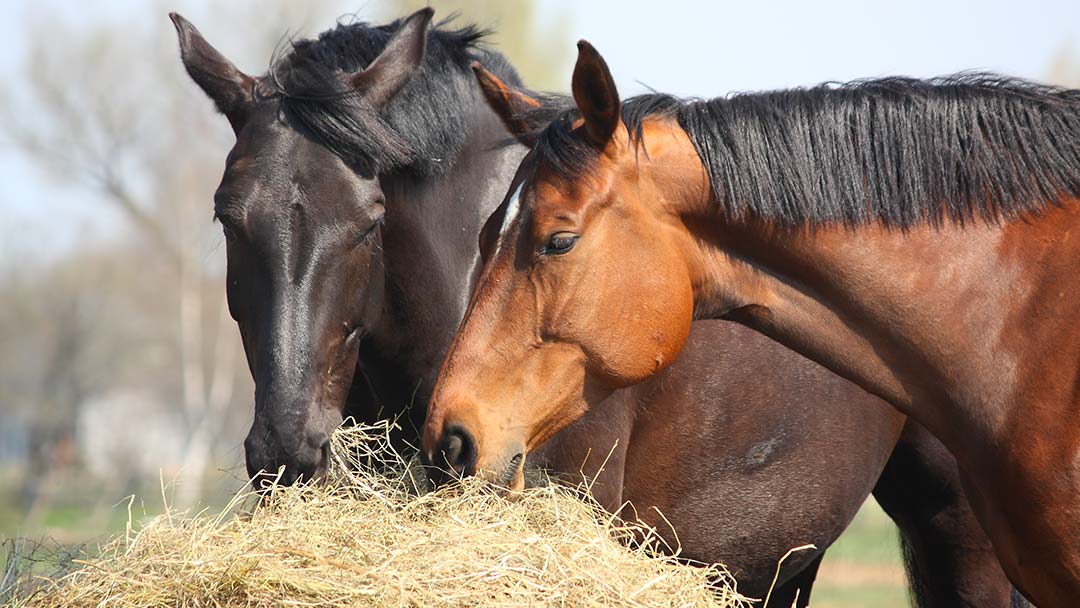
x=75, y=510
x=859, y=596
x=863, y=567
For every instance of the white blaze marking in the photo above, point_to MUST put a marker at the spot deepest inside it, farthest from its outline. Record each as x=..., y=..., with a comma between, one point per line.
x=512, y=210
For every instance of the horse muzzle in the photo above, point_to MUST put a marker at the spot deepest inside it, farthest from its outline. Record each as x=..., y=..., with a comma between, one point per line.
x=457, y=456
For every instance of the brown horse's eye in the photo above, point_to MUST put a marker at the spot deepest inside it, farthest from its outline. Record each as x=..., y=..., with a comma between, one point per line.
x=560, y=243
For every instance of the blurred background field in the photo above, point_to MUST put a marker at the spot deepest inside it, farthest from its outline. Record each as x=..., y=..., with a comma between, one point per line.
x=863, y=567
x=120, y=367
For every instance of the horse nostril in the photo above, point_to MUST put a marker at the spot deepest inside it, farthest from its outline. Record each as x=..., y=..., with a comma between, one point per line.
x=458, y=450
x=451, y=449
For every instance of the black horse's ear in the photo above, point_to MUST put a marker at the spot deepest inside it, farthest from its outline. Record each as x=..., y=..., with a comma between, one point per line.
x=511, y=105
x=397, y=63
x=595, y=95
x=231, y=89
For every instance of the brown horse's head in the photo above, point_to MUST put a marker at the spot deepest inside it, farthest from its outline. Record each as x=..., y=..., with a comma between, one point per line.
x=301, y=229
x=584, y=288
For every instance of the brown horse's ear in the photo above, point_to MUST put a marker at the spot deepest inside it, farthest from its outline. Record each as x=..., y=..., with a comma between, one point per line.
x=397, y=63
x=595, y=95
x=511, y=105
x=231, y=89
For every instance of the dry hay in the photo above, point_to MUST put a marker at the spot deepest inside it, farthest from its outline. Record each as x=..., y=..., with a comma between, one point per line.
x=368, y=539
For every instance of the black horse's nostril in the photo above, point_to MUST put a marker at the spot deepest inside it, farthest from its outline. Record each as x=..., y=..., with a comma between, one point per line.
x=273, y=457
x=458, y=450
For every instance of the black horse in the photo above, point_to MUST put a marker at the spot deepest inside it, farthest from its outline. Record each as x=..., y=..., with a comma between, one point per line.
x=366, y=162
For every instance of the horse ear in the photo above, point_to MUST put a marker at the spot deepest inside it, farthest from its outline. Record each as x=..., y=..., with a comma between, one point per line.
x=511, y=105
x=231, y=90
x=595, y=95
x=396, y=64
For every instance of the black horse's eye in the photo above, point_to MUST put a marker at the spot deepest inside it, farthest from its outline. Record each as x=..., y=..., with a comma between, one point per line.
x=370, y=231
x=560, y=243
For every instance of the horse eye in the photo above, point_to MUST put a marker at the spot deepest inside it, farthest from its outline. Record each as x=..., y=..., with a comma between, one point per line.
x=370, y=231
x=560, y=243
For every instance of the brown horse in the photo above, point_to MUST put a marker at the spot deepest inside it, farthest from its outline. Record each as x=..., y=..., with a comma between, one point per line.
x=921, y=238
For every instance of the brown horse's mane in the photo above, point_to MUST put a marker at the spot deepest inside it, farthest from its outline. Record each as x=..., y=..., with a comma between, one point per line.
x=898, y=151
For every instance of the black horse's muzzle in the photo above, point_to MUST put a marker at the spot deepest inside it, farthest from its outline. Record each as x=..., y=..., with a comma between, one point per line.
x=300, y=457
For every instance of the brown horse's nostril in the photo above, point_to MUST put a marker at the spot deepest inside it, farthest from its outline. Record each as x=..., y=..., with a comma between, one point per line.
x=458, y=450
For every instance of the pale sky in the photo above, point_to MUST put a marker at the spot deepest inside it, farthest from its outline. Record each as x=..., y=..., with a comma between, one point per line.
x=688, y=48
x=712, y=48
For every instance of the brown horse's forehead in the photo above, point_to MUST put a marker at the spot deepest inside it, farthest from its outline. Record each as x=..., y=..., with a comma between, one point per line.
x=554, y=201
x=559, y=198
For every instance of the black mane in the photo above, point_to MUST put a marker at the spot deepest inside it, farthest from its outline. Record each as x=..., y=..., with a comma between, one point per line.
x=899, y=151
x=420, y=130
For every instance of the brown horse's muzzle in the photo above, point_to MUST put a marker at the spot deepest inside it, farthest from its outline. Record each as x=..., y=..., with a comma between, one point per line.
x=456, y=455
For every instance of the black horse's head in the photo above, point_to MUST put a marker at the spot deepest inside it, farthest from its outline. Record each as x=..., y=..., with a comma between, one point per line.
x=301, y=205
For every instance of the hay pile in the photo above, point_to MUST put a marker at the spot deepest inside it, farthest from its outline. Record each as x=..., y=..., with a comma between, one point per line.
x=368, y=539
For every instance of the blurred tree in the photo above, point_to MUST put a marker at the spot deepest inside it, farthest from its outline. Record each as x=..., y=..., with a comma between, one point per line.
x=106, y=108
x=67, y=325
x=538, y=47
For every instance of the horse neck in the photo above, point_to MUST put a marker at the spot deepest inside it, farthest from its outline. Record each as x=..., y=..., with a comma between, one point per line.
x=431, y=253
x=921, y=318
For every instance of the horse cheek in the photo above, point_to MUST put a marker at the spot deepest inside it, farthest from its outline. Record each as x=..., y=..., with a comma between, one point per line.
x=673, y=326
x=655, y=338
